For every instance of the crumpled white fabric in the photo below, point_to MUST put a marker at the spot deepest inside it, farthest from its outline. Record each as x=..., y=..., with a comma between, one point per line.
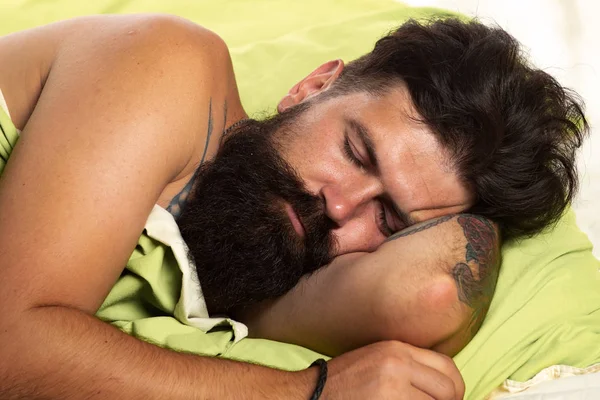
x=3, y=104
x=191, y=308
x=553, y=383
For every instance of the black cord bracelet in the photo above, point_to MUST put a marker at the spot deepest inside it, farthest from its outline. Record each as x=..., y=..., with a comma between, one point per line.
x=322, y=378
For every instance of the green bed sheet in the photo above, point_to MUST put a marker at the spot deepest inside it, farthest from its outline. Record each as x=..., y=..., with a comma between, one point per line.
x=546, y=309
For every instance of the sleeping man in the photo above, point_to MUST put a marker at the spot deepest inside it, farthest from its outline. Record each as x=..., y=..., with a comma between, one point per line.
x=368, y=169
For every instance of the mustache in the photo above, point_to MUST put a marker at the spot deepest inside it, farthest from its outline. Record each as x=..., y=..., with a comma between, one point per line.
x=286, y=182
x=236, y=226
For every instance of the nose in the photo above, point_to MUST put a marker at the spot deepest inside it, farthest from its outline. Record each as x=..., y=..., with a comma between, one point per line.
x=345, y=200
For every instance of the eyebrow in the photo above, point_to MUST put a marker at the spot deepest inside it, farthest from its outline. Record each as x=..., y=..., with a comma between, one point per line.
x=364, y=134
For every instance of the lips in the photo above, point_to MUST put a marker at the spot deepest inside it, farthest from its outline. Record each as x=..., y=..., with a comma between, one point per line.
x=295, y=220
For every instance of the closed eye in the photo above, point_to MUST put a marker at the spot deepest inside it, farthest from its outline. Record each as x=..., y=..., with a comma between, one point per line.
x=351, y=152
x=382, y=222
x=399, y=220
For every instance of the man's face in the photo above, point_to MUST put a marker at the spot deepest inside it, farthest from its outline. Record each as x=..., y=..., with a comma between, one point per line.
x=285, y=196
x=237, y=224
x=375, y=167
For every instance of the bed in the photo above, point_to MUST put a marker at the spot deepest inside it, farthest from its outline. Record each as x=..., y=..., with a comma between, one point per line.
x=544, y=321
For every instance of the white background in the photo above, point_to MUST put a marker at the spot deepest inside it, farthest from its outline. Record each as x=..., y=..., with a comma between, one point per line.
x=563, y=38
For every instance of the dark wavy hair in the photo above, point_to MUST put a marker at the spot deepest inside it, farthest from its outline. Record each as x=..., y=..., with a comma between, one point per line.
x=511, y=128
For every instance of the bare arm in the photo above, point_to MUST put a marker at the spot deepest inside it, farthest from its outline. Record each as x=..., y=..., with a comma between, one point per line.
x=428, y=285
x=120, y=115
x=62, y=353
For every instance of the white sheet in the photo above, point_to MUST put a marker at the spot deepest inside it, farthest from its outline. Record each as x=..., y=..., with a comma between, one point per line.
x=191, y=308
x=554, y=383
x=3, y=104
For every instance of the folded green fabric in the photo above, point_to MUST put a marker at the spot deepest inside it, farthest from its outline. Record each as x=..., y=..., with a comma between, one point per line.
x=546, y=309
x=158, y=299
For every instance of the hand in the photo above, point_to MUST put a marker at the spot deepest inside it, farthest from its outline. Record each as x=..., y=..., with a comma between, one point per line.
x=393, y=370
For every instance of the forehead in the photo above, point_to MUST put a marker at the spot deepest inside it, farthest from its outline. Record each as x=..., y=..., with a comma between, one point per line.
x=415, y=168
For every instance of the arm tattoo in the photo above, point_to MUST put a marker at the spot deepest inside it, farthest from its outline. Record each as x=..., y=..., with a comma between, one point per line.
x=476, y=284
x=178, y=202
x=210, y=129
x=224, y=123
x=419, y=227
x=475, y=276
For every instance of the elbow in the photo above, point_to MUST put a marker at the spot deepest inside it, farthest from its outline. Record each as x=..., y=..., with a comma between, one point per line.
x=431, y=317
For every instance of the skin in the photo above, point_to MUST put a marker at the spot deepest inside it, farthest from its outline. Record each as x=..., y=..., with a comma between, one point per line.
x=412, y=172
x=422, y=298
x=113, y=96
x=408, y=170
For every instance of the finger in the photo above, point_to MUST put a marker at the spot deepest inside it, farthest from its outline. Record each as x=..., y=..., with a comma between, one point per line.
x=432, y=382
x=441, y=363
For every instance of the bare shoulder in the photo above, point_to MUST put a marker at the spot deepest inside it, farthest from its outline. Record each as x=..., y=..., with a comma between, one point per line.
x=144, y=50
x=122, y=112
x=193, y=66
x=156, y=36
x=166, y=34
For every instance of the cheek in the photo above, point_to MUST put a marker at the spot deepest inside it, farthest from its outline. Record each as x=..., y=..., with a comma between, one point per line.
x=312, y=155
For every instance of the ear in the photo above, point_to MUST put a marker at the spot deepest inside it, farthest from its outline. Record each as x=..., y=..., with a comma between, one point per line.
x=316, y=82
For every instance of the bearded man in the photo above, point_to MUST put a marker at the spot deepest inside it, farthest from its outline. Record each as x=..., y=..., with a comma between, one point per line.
x=118, y=114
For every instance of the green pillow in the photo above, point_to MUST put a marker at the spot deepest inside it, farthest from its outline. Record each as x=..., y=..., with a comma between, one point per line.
x=546, y=309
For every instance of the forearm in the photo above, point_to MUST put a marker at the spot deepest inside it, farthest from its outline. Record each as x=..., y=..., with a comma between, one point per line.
x=414, y=288
x=332, y=311
x=61, y=353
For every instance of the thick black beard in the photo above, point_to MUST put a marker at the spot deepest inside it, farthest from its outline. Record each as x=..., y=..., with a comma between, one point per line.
x=235, y=225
